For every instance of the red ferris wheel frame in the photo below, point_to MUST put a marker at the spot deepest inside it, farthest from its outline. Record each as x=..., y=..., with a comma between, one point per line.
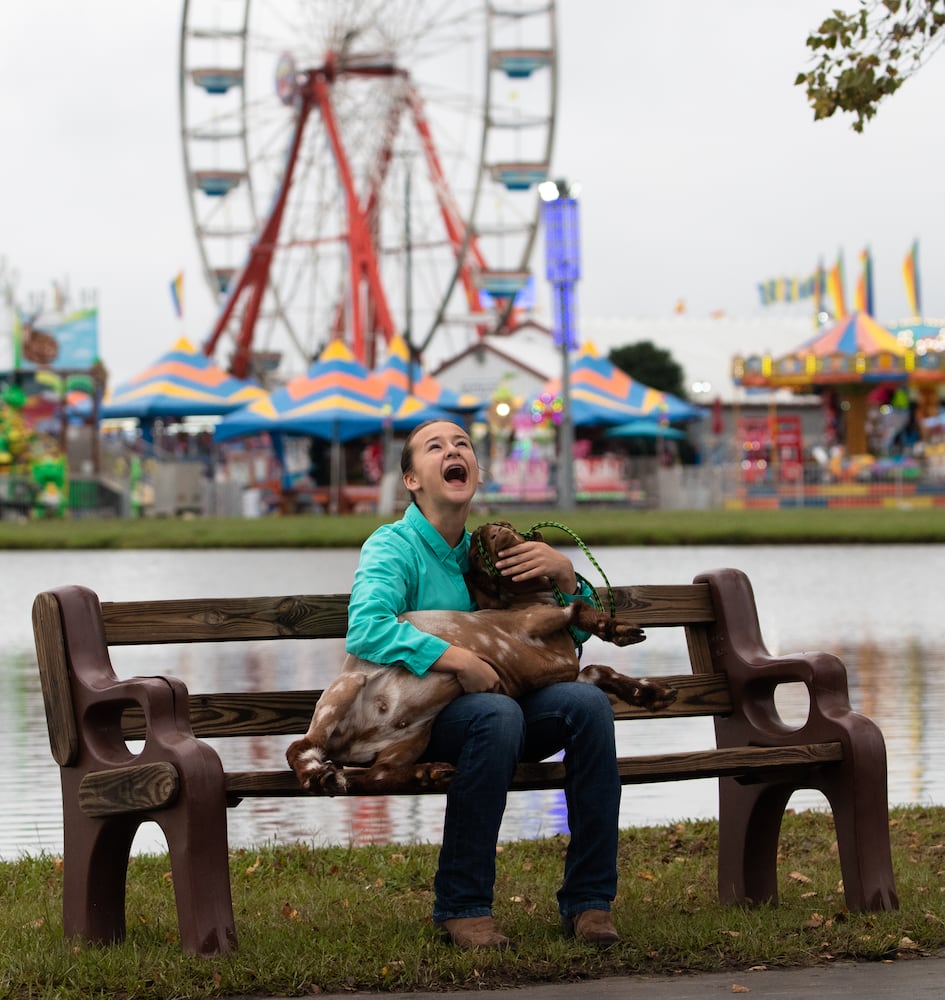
x=370, y=315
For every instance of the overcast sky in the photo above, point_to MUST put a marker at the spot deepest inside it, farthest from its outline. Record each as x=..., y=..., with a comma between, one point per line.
x=702, y=169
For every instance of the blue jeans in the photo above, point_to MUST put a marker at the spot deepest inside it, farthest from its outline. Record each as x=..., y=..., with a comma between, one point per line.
x=485, y=736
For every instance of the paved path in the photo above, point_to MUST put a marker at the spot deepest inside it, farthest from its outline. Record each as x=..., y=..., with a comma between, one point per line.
x=906, y=979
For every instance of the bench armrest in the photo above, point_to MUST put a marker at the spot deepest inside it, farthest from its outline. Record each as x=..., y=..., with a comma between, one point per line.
x=84, y=698
x=754, y=674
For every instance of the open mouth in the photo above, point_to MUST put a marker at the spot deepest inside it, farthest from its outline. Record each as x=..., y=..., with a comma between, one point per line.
x=455, y=474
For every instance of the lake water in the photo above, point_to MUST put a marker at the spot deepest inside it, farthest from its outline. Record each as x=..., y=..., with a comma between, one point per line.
x=877, y=607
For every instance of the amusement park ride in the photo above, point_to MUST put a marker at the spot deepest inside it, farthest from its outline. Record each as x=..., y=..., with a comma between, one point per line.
x=358, y=170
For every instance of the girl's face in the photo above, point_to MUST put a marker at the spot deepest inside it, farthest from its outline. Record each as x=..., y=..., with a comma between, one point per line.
x=443, y=463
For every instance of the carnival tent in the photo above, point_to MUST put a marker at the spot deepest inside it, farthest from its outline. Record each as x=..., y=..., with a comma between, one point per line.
x=645, y=429
x=401, y=377
x=336, y=400
x=589, y=408
x=182, y=383
x=856, y=348
x=602, y=394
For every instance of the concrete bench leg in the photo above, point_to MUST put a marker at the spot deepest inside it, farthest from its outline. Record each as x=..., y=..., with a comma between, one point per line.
x=750, y=822
x=749, y=825
x=95, y=861
x=197, y=842
x=858, y=798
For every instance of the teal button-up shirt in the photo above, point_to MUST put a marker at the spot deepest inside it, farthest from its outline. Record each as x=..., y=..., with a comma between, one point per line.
x=408, y=566
x=405, y=566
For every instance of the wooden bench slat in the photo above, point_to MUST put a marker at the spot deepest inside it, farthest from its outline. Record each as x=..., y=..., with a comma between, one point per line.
x=696, y=695
x=662, y=605
x=136, y=788
x=288, y=713
x=683, y=766
x=129, y=623
x=54, y=680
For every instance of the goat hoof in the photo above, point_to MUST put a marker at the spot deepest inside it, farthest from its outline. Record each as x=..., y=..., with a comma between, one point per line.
x=627, y=635
x=435, y=774
x=298, y=756
x=332, y=780
x=618, y=633
x=655, y=696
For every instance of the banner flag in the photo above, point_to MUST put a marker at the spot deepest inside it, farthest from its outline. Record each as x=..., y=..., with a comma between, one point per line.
x=835, y=283
x=17, y=336
x=863, y=296
x=793, y=289
x=177, y=294
x=910, y=274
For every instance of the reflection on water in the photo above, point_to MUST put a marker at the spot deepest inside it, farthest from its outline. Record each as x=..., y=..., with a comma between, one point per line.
x=808, y=598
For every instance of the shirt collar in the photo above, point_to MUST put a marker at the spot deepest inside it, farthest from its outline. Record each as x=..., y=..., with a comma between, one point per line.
x=438, y=544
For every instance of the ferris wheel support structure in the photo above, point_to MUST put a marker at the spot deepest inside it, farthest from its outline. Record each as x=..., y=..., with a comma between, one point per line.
x=314, y=93
x=337, y=241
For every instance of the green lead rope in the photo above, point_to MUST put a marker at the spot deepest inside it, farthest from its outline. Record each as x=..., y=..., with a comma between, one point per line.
x=556, y=590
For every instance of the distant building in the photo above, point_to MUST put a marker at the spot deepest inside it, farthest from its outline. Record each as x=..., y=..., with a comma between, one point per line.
x=704, y=347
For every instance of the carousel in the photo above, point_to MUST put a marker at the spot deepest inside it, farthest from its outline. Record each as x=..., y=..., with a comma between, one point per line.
x=859, y=369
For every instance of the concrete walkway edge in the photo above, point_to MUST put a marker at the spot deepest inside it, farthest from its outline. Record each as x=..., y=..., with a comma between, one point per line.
x=912, y=978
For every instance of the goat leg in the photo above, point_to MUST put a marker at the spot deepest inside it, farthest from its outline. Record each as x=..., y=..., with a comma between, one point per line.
x=308, y=757
x=606, y=627
x=396, y=769
x=640, y=691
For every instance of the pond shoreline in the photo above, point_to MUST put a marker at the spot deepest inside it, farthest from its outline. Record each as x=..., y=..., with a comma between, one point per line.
x=597, y=526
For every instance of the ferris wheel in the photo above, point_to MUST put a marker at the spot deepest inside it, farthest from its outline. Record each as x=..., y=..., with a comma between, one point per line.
x=361, y=168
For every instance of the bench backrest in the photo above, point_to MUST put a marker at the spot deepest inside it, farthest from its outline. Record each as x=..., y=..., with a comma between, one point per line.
x=241, y=713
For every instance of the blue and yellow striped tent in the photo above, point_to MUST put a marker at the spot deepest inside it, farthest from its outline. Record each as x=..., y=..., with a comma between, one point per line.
x=182, y=383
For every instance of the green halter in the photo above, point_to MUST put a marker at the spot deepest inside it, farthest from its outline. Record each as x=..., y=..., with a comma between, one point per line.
x=555, y=589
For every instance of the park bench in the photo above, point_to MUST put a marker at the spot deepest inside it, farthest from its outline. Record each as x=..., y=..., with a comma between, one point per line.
x=177, y=779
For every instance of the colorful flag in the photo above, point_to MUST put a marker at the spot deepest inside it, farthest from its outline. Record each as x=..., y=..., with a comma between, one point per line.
x=17, y=335
x=910, y=274
x=177, y=294
x=792, y=289
x=863, y=297
x=835, y=283
x=819, y=289
x=59, y=297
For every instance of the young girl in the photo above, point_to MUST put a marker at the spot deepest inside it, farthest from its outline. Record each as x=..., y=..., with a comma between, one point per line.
x=417, y=563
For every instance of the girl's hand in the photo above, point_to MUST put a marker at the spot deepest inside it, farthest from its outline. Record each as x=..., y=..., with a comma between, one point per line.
x=529, y=560
x=474, y=675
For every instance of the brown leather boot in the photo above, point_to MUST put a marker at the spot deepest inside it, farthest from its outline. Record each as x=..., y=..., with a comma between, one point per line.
x=474, y=932
x=594, y=927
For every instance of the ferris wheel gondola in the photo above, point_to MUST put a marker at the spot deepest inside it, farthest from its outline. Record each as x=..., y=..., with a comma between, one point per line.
x=360, y=170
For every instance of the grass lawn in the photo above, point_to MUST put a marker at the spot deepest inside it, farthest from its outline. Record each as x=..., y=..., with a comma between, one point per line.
x=337, y=919
x=598, y=526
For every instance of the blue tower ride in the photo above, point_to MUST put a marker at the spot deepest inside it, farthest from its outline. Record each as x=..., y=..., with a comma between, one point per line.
x=563, y=269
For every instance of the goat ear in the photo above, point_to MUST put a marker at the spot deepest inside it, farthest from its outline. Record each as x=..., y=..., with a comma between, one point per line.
x=537, y=536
